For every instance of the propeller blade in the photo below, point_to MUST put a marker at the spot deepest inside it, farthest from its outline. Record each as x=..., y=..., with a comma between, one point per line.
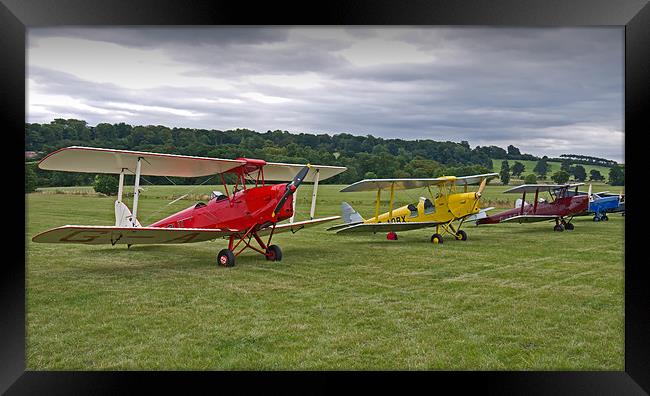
x=291, y=188
x=482, y=187
x=589, y=193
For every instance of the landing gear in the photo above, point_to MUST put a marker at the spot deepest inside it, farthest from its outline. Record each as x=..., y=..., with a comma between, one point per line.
x=226, y=258
x=558, y=227
x=568, y=226
x=391, y=236
x=273, y=253
x=461, y=235
x=436, y=238
x=605, y=217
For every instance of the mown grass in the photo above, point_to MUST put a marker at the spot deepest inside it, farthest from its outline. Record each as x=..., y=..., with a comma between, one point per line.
x=512, y=297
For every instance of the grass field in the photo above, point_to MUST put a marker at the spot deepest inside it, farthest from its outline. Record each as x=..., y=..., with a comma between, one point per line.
x=511, y=297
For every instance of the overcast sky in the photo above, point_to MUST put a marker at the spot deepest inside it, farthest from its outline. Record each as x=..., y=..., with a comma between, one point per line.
x=548, y=91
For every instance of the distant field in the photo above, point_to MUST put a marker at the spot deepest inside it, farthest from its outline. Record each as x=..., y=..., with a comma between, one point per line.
x=511, y=297
x=553, y=167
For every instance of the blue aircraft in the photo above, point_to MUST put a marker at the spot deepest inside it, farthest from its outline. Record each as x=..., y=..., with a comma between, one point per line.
x=602, y=203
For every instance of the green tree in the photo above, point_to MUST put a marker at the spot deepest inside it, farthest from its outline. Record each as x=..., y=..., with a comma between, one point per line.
x=513, y=152
x=565, y=165
x=518, y=168
x=30, y=178
x=541, y=168
x=530, y=179
x=579, y=173
x=617, y=176
x=504, y=174
x=595, y=175
x=370, y=175
x=560, y=177
x=106, y=184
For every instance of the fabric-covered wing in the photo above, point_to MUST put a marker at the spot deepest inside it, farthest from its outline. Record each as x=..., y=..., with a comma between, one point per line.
x=275, y=171
x=100, y=160
x=387, y=227
x=297, y=226
x=103, y=235
x=408, y=184
x=528, y=218
x=531, y=188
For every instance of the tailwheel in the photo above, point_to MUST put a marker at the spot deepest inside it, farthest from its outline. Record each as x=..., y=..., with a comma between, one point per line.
x=391, y=236
x=226, y=258
x=436, y=238
x=568, y=226
x=273, y=253
x=558, y=227
x=461, y=235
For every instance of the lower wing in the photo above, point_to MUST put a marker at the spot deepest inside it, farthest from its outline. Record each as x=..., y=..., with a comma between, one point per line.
x=529, y=218
x=387, y=227
x=297, y=226
x=100, y=235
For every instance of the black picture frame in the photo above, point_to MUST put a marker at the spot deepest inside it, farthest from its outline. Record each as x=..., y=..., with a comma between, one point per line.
x=17, y=15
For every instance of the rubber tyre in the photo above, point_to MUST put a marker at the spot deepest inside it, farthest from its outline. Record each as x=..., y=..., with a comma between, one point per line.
x=437, y=239
x=596, y=218
x=558, y=228
x=274, y=253
x=605, y=217
x=461, y=235
x=569, y=227
x=226, y=258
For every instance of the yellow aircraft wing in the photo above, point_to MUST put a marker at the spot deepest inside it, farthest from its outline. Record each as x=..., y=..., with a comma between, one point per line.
x=387, y=227
x=408, y=184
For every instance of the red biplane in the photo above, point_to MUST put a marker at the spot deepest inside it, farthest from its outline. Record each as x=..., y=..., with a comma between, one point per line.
x=564, y=206
x=242, y=215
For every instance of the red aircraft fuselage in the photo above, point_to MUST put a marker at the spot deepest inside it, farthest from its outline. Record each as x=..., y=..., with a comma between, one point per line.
x=239, y=211
x=563, y=207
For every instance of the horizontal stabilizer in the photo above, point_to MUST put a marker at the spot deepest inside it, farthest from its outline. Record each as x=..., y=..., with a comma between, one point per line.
x=387, y=227
x=528, y=218
x=104, y=235
x=297, y=226
x=343, y=225
x=480, y=215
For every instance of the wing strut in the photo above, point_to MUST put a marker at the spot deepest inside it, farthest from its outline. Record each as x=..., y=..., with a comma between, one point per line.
x=392, y=197
x=313, y=196
x=136, y=187
x=377, y=204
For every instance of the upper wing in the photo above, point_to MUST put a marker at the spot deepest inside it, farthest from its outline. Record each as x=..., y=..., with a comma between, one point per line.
x=297, y=226
x=408, y=184
x=529, y=218
x=100, y=160
x=540, y=187
x=387, y=227
x=276, y=171
x=102, y=235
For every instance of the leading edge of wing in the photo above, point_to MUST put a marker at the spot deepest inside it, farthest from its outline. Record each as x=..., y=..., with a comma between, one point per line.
x=102, y=235
x=528, y=218
x=297, y=226
x=387, y=227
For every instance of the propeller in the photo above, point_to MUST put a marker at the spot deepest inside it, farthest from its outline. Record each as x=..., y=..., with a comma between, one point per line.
x=589, y=194
x=291, y=188
x=480, y=192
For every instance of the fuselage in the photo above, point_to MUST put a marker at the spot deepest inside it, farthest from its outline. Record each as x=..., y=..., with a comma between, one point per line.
x=564, y=207
x=247, y=207
x=444, y=208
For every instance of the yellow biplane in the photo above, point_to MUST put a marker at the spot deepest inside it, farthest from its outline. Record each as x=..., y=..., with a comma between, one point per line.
x=452, y=202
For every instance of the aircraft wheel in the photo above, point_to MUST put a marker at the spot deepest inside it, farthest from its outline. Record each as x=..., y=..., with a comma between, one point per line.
x=558, y=227
x=436, y=238
x=569, y=226
x=273, y=253
x=596, y=218
x=461, y=235
x=226, y=258
x=605, y=217
x=391, y=236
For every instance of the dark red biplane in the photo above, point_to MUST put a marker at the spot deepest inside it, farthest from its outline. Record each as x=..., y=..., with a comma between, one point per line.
x=564, y=205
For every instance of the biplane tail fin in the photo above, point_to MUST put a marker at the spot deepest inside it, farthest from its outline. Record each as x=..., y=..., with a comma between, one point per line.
x=349, y=215
x=124, y=217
